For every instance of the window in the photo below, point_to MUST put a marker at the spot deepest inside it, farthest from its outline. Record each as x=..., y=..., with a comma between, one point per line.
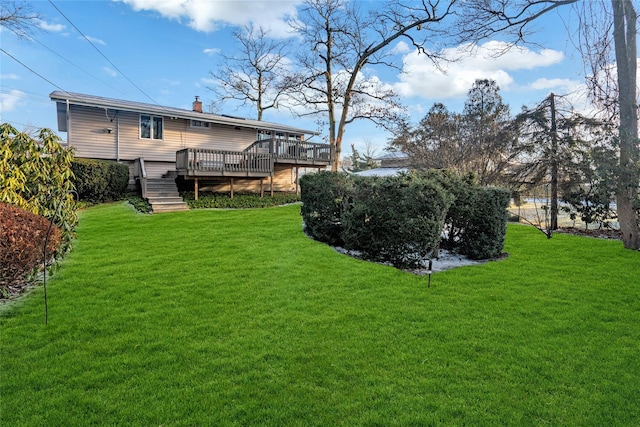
x=264, y=134
x=200, y=124
x=151, y=127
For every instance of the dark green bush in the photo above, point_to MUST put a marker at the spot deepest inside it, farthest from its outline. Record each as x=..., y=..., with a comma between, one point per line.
x=99, y=181
x=239, y=201
x=395, y=219
x=485, y=229
x=322, y=195
x=401, y=219
x=463, y=189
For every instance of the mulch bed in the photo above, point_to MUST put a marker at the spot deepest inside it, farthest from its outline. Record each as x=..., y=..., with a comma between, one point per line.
x=605, y=233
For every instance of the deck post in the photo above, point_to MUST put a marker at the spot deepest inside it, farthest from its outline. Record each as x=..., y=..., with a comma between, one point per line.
x=231, y=186
x=261, y=187
x=195, y=188
x=297, y=179
x=271, y=184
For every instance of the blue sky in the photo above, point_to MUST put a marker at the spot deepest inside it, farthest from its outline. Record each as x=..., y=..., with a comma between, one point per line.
x=163, y=51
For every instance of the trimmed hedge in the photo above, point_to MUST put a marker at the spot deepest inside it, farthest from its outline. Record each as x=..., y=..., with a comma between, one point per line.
x=98, y=181
x=483, y=236
x=401, y=219
x=395, y=219
x=22, y=237
x=240, y=201
x=322, y=195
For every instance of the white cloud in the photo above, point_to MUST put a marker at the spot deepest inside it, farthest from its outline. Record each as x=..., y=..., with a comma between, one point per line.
x=400, y=48
x=110, y=72
x=170, y=82
x=564, y=85
x=208, y=16
x=9, y=101
x=44, y=25
x=208, y=81
x=211, y=51
x=95, y=40
x=467, y=64
x=9, y=77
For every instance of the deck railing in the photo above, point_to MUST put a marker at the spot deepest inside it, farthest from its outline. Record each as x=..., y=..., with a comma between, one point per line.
x=140, y=174
x=291, y=149
x=222, y=161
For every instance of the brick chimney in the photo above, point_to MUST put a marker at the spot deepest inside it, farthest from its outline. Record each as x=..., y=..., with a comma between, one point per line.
x=197, y=105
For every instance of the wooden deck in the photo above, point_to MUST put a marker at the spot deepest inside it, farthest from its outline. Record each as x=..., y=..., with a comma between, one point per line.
x=196, y=162
x=256, y=161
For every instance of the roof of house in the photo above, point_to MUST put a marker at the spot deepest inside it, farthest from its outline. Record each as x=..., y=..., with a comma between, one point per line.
x=141, y=107
x=392, y=155
x=381, y=172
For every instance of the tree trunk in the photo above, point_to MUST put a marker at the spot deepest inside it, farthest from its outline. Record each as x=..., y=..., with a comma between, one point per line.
x=554, y=165
x=624, y=34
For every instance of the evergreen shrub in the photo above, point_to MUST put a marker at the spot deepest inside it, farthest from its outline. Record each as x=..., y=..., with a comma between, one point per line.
x=322, y=195
x=35, y=175
x=485, y=229
x=462, y=187
x=402, y=219
x=395, y=219
x=98, y=181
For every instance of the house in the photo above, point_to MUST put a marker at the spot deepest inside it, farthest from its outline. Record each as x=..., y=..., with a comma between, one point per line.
x=209, y=150
x=391, y=163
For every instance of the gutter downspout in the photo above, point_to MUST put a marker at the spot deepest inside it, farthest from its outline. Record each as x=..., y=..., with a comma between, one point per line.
x=118, y=136
x=68, y=118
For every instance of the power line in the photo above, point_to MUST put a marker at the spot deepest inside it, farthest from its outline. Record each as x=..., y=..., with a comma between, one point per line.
x=100, y=52
x=34, y=72
x=77, y=66
x=3, y=88
x=19, y=93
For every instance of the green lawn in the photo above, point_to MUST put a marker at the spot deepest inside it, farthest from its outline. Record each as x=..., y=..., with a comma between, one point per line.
x=214, y=318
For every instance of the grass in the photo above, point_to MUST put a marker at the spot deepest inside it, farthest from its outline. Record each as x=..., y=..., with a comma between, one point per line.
x=236, y=318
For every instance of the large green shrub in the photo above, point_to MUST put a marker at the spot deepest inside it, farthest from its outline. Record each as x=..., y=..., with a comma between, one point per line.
x=99, y=181
x=322, y=195
x=462, y=187
x=401, y=219
x=35, y=174
x=395, y=219
x=485, y=229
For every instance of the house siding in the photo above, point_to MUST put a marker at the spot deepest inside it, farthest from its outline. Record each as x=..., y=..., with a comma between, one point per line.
x=87, y=130
x=90, y=139
x=283, y=181
x=112, y=132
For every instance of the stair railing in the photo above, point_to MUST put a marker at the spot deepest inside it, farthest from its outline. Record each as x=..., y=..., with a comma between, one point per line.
x=140, y=175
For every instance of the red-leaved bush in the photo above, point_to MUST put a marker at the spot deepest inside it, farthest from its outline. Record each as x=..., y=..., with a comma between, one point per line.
x=22, y=237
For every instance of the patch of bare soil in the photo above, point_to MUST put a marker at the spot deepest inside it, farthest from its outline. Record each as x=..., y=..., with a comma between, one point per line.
x=605, y=233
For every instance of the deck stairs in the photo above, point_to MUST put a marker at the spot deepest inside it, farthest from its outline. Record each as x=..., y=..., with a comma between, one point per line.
x=162, y=195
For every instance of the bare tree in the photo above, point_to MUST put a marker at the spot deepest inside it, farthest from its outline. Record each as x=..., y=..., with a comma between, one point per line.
x=484, y=18
x=18, y=17
x=553, y=141
x=256, y=74
x=479, y=140
x=487, y=132
x=435, y=143
x=624, y=36
x=341, y=41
